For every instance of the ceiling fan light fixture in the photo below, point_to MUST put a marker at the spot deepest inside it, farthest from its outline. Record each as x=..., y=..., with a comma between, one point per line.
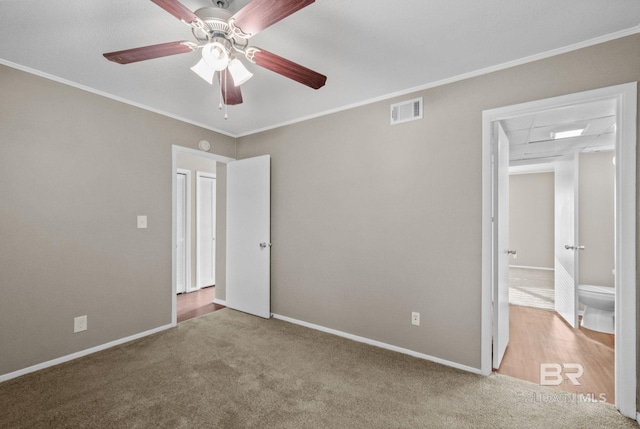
x=239, y=72
x=215, y=55
x=203, y=70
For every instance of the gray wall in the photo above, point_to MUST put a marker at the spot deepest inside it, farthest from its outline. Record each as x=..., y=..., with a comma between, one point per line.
x=531, y=219
x=195, y=164
x=76, y=169
x=596, y=212
x=372, y=221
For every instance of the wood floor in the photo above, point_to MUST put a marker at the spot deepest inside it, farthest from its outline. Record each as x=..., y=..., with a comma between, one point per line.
x=541, y=336
x=194, y=304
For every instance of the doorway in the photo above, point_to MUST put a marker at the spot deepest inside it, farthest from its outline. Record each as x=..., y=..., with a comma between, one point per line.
x=198, y=162
x=625, y=99
x=243, y=243
x=541, y=329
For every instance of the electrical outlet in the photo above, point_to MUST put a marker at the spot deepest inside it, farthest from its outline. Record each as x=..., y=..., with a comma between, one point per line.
x=142, y=221
x=79, y=324
x=415, y=318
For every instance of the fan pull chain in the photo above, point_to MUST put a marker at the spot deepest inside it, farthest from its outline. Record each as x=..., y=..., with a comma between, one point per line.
x=220, y=93
x=226, y=116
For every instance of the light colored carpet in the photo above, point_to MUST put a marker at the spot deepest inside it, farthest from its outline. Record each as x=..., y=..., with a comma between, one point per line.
x=231, y=370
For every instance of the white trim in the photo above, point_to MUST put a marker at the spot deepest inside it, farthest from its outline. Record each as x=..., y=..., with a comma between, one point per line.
x=107, y=95
x=208, y=155
x=220, y=301
x=543, y=167
x=531, y=268
x=376, y=343
x=625, y=242
x=76, y=355
x=626, y=140
x=187, y=243
x=208, y=175
x=638, y=417
x=463, y=76
x=175, y=150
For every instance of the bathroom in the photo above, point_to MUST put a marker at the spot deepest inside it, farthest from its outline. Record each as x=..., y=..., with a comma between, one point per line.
x=532, y=226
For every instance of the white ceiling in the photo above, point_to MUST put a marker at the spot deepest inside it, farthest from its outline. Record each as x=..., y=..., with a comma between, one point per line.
x=369, y=49
x=531, y=136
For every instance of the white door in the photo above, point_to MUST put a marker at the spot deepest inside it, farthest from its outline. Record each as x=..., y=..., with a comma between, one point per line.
x=206, y=229
x=501, y=248
x=181, y=238
x=566, y=238
x=249, y=235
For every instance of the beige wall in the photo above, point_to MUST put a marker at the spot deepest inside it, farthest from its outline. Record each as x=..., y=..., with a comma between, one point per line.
x=596, y=212
x=194, y=164
x=531, y=219
x=372, y=221
x=221, y=231
x=75, y=171
x=369, y=221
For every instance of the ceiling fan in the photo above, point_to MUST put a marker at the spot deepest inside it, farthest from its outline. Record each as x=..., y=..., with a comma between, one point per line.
x=222, y=39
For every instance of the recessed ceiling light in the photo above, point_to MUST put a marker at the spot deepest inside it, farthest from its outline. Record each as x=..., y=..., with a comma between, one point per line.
x=566, y=134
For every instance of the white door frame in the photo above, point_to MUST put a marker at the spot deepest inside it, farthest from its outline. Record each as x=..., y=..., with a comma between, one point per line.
x=200, y=174
x=625, y=96
x=175, y=150
x=187, y=239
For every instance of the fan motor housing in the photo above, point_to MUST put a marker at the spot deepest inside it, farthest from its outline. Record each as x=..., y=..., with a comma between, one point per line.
x=216, y=20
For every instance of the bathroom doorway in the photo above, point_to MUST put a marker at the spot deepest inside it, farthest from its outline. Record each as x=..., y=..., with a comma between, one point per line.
x=494, y=313
x=538, y=332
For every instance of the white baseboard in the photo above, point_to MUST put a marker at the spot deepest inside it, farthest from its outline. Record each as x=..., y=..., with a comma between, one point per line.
x=220, y=301
x=76, y=355
x=377, y=343
x=531, y=268
x=638, y=417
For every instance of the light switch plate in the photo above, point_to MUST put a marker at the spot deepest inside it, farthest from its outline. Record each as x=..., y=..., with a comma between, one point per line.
x=142, y=221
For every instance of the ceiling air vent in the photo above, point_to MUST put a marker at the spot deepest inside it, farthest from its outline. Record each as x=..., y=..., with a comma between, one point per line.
x=406, y=111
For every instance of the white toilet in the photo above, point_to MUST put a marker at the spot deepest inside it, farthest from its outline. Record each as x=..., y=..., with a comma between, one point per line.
x=599, y=312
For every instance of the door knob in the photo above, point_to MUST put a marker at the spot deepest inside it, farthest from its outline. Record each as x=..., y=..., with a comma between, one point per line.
x=566, y=246
x=264, y=245
x=511, y=252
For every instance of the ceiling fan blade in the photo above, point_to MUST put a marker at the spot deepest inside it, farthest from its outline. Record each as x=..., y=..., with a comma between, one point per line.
x=288, y=69
x=149, y=52
x=180, y=11
x=260, y=14
x=231, y=94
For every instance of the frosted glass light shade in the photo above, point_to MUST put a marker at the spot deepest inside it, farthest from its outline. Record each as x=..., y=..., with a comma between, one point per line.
x=216, y=56
x=203, y=70
x=239, y=72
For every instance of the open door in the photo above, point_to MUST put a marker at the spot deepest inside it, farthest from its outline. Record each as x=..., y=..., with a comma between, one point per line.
x=182, y=210
x=566, y=238
x=249, y=235
x=501, y=246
